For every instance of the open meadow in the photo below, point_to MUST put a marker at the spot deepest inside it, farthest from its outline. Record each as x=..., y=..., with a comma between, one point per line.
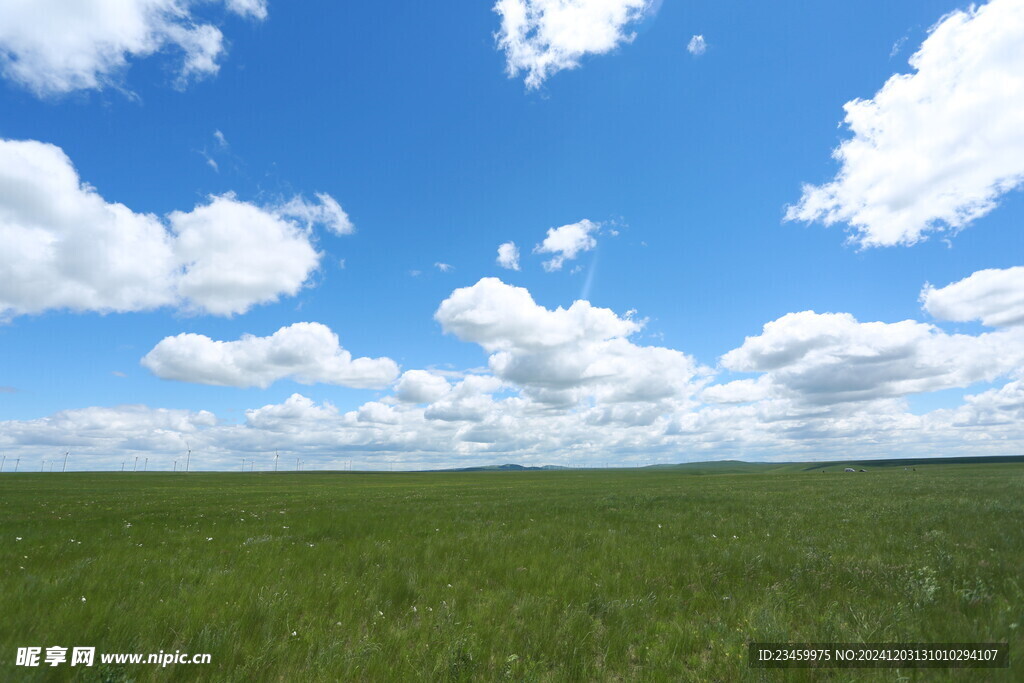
x=647, y=574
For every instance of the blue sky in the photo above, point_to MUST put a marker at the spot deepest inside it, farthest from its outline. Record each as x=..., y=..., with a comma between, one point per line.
x=680, y=167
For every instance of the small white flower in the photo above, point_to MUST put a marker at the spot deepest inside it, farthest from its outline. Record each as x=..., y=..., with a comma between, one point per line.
x=713, y=536
x=17, y=538
x=414, y=608
x=295, y=633
x=659, y=526
x=449, y=585
x=83, y=598
x=128, y=524
x=380, y=613
x=735, y=536
x=284, y=527
x=209, y=538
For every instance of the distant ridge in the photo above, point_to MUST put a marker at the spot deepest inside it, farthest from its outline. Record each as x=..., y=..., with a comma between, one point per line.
x=743, y=467
x=511, y=467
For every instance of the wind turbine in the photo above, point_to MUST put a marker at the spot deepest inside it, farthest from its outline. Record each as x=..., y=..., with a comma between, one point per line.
x=42, y=465
x=296, y=464
x=189, y=456
x=243, y=464
x=175, y=466
x=145, y=466
x=136, y=465
x=66, y=453
x=122, y=465
x=276, y=456
x=2, y=462
x=16, y=461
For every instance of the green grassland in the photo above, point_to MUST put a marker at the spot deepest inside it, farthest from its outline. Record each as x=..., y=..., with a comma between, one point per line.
x=646, y=574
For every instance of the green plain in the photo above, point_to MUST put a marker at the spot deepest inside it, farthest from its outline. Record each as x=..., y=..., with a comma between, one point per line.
x=585, y=575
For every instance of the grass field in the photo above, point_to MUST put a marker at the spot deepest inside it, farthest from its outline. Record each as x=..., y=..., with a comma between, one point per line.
x=649, y=574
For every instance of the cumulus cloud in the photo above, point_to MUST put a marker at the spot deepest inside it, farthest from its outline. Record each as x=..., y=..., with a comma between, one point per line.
x=543, y=37
x=500, y=317
x=995, y=407
x=508, y=256
x=993, y=296
x=66, y=247
x=935, y=149
x=104, y=430
x=297, y=412
x=567, y=242
x=236, y=255
x=568, y=384
x=739, y=391
x=697, y=46
x=470, y=400
x=477, y=426
x=420, y=386
x=58, y=46
x=829, y=358
x=564, y=355
x=305, y=352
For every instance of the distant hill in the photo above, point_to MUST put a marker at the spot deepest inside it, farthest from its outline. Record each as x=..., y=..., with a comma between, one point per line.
x=743, y=467
x=915, y=462
x=503, y=468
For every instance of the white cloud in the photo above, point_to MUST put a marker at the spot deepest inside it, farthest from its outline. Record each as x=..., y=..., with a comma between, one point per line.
x=443, y=267
x=567, y=242
x=236, y=255
x=475, y=427
x=500, y=317
x=697, y=46
x=257, y=9
x=295, y=412
x=562, y=356
x=109, y=430
x=995, y=407
x=327, y=212
x=420, y=386
x=543, y=37
x=305, y=352
x=739, y=391
x=469, y=401
x=377, y=413
x=508, y=256
x=57, y=46
x=569, y=385
x=935, y=149
x=829, y=358
x=993, y=296
x=66, y=247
